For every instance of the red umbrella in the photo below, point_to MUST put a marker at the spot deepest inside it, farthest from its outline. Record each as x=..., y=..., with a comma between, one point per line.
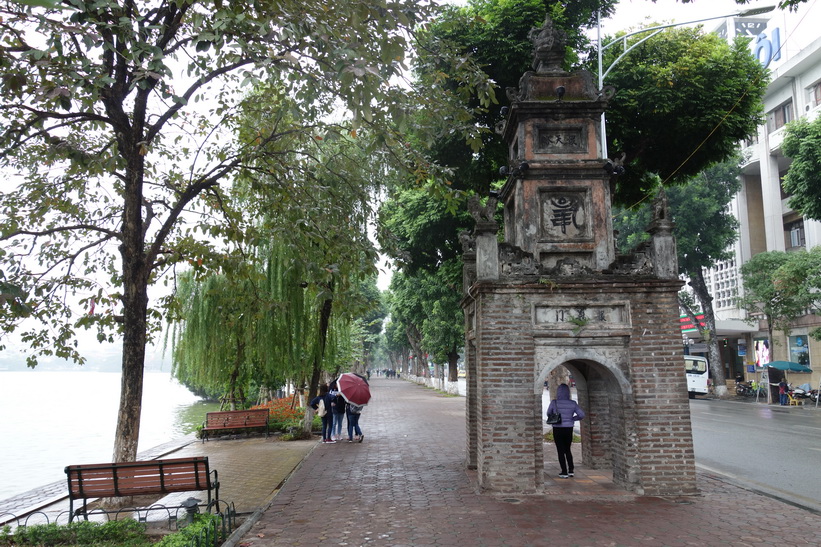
x=354, y=388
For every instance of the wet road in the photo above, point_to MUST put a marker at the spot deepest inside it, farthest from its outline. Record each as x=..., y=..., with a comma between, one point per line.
x=772, y=449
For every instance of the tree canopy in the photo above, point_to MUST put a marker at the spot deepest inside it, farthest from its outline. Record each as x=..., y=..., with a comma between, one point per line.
x=120, y=122
x=781, y=286
x=765, y=298
x=684, y=99
x=802, y=144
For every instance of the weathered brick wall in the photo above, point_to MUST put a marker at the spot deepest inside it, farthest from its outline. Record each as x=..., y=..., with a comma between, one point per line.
x=510, y=414
x=664, y=432
x=472, y=421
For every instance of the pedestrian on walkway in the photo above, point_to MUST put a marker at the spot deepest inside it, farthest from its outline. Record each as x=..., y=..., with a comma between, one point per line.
x=782, y=392
x=570, y=412
x=340, y=406
x=324, y=410
x=353, y=413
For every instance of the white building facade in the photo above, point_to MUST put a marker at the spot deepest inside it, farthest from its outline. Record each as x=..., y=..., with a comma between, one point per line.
x=788, y=44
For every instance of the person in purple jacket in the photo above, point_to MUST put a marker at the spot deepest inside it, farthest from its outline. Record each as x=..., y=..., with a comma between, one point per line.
x=563, y=432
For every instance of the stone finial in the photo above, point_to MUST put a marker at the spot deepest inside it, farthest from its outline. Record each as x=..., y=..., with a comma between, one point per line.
x=660, y=207
x=548, y=47
x=482, y=214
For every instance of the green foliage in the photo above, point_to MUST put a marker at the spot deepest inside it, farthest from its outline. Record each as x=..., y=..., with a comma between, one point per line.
x=684, y=99
x=799, y=279
x=117, y=122
x=548, y=437
x=494, y=33
x=699, y=204
x=420, y=232
x=802, y=144
x=781, y=286
x=115, y=533
x=184, y=538
x=427, y=303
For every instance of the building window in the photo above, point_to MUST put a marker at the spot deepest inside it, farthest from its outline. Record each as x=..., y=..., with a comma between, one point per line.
x=799, y=350
x=779, y=117
x=815, y=94
x=794, y=232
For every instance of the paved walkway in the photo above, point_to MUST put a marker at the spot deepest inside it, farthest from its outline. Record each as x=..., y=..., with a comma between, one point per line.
x=406, y=485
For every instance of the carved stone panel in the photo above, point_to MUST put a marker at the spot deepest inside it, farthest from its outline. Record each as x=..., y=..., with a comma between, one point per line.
x=561, y=139
x=568, y=315
x=565, y=215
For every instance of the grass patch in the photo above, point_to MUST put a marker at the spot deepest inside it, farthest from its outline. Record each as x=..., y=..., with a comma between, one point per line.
x=548, y=437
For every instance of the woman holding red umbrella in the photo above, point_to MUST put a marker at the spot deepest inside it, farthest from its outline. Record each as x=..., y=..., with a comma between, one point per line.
x=355, y=389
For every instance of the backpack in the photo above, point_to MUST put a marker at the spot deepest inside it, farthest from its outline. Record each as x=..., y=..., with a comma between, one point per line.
x=355, y=409
x=320, y=408
x=340, y=404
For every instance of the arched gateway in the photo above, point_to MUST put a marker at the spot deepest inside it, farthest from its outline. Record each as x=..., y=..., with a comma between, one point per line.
x=554, y=293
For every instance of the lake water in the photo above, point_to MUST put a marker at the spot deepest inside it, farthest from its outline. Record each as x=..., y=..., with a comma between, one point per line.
x=52, y=419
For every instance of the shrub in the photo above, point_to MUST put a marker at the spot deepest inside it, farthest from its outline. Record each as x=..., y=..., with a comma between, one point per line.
x=280, y=414
x=202, y=522
x=115, y=533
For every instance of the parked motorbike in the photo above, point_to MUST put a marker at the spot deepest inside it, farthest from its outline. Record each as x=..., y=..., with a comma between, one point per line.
x=801, y=392
x=749, y=390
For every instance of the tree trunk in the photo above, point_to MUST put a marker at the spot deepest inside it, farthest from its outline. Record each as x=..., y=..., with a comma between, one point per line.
x=135, y=308
x=709, y=333
x=231, y=395
x=557, y=376
x=313, y=389
x=414, y=340
x=453, y=372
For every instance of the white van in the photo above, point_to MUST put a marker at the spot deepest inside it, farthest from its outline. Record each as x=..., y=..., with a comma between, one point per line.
x=697, y=373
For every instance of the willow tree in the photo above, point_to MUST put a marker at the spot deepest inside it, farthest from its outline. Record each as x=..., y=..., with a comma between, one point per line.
x=210, y=347
x=115, y=116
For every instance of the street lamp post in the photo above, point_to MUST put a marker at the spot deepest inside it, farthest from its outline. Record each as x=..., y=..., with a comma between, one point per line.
x=653, y=31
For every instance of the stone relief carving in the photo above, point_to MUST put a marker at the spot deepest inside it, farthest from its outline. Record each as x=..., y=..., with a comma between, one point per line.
x=513, y=261
x=561, y=139
x=565, y=216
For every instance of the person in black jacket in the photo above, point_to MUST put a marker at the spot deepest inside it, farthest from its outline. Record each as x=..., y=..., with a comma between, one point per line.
x=325, y=412
x=339, y=404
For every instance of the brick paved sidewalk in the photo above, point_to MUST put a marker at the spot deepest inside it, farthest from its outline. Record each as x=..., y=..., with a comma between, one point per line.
x=407, y=485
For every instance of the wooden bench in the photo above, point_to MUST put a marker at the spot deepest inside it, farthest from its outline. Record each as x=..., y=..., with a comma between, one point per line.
x=106, y=480
x=235, y=419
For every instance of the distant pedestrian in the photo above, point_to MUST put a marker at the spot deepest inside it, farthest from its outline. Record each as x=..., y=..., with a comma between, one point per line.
x=353, y=413
x=782, y=392
x=570, y=412
x=338, y=411
x=322, y=404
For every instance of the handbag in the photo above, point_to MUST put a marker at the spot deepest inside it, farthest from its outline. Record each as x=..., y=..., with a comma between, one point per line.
x=554, y=418
x=320, y=408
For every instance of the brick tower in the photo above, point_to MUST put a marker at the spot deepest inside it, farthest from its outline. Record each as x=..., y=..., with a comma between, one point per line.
x=554, y=293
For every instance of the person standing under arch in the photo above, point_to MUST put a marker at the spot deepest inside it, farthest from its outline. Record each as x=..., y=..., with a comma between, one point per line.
x=571, y=412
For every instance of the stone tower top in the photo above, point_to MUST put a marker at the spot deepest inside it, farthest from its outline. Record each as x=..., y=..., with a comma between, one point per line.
x=548, y=47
